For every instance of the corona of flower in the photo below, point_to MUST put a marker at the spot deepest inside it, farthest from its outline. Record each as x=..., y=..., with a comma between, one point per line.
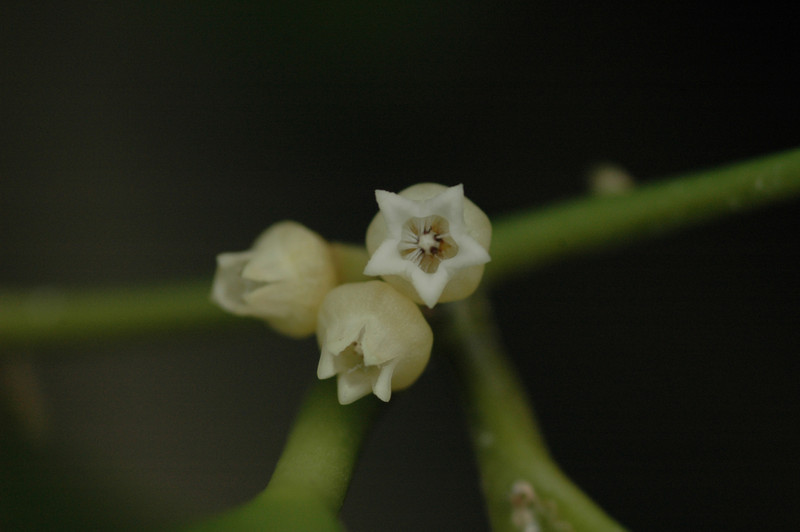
x=282, y=279
x=374, y=339
x=429, y=242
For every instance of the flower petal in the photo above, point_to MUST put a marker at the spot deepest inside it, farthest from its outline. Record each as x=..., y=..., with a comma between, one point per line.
x=326, y=367
x=470, y=253
x=429, y=286
x=395, y=208
x=382, y=387
x=449, y=204
x=352, y=386
x=386, y=260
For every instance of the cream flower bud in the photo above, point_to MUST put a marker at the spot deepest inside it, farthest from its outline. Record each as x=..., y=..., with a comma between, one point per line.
x=282, y=279
x=429, y=242
x=373, y=338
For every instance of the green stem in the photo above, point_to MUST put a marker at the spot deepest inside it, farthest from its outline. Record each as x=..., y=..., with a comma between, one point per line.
x=530, y=239
x=508, y=444
x=311, y=478
x=55, y=316
x=50, y=316
x=521, y=242
x=322, y=448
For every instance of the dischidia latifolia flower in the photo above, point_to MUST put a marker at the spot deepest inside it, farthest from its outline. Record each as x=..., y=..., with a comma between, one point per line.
x=374, y=339
x=429, y=242
x=282, y=279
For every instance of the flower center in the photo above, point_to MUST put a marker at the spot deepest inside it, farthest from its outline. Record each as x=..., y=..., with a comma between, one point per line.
x=427, y=242
x=352, y=358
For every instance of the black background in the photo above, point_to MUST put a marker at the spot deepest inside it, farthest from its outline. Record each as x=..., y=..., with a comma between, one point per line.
x=139, y=140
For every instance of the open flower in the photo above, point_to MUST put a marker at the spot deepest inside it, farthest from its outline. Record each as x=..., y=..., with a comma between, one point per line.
x=282, y=279
x=373, y=339
x=429, y=242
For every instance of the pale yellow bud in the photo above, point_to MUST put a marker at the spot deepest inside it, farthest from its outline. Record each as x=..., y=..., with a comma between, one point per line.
x=429, y=242
x=608, y=179
x=282, y=279
x=373, y=339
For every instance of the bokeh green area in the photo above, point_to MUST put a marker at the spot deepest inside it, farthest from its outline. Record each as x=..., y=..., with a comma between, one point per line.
x=139, y=140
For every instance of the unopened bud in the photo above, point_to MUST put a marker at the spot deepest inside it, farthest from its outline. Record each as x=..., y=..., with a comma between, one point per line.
x=282, y=279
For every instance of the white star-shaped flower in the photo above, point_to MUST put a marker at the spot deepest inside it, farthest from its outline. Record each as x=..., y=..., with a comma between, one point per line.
x=432, y=237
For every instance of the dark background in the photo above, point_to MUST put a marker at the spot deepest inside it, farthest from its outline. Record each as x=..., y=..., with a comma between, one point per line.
x=139, y=140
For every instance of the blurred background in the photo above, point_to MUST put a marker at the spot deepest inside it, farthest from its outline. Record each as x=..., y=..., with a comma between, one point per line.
x=138, y=140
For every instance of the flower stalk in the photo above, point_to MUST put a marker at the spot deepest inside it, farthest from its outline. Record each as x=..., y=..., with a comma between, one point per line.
x=310, y=481
x=509, y=447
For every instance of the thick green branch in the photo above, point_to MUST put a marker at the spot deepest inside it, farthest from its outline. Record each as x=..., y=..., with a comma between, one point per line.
x=322, y=448
x=508, y=445
x=311, y=478
x=533, y=238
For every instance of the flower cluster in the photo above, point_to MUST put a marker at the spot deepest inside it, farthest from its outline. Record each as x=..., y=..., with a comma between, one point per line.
x=428, y=243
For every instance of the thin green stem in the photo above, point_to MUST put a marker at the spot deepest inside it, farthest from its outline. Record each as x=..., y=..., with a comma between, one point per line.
x=509, y=447
x=311, y=478
x=521, y=243
x=51, y=316
x=529, y=239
